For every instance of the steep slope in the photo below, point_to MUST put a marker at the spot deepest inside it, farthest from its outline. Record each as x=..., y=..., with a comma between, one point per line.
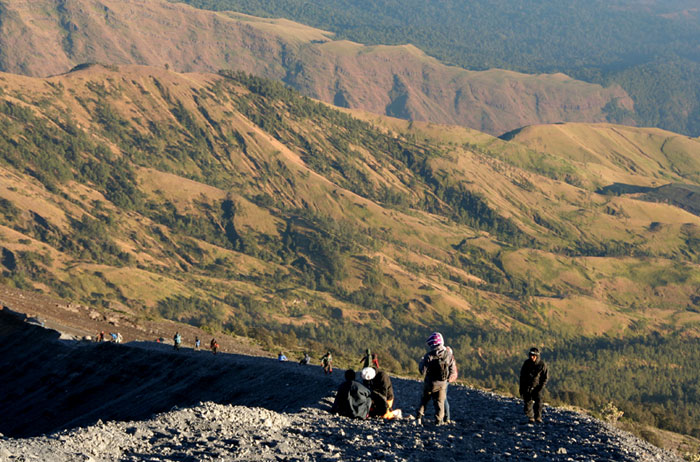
x=269, y=410
x=615, y=154
x=232, y=203
x=47, y=38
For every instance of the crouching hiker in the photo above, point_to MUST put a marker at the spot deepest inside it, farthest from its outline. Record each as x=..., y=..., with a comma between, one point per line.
x=533, y=378
x=352, y=399
x=382, y=390
x=438, y=365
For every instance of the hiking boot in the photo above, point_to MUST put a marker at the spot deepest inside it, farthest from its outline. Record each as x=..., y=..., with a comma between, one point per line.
x=538, y=420
x=531, y=420
x=419, y=420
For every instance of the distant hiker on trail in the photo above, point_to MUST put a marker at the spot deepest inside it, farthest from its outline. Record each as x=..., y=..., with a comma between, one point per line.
x=533, y=378
x=101, y=336
x=305, y=360
x=197, y=342
x=177, y=340
x=281, y=357
x=327, y=363
x=352, y=399
x=375, y=361
x=439, y=367
x=382, y=396
x=119, y=338
x=114, y=337
x=367, y=359
x=214, y=346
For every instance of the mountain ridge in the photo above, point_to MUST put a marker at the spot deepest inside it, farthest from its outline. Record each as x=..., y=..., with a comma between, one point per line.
x=400, y=80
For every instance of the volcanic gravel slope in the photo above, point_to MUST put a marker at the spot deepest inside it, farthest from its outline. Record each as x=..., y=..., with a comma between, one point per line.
x=146, y=402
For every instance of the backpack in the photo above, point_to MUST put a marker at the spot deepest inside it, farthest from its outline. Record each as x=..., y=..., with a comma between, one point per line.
x=438, y=368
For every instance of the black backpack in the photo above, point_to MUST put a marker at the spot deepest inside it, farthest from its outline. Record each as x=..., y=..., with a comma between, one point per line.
x=438, y=368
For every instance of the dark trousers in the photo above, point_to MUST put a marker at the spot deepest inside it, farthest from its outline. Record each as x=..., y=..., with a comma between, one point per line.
x=532, y=404
x=437, y=391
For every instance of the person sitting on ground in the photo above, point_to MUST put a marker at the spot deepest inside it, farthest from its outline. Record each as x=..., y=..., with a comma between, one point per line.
x=352, y=399
x=214, y=346
x=382, y=390
x=305, y=360
x=281, y=357
x=533, y=378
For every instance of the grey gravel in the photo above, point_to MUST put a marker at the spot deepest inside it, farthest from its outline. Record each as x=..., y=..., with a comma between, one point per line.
x=259, y=410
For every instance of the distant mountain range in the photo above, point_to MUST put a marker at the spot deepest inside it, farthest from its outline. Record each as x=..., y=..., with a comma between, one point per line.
x=183, y=178
x=45, y=38
x=649, y=47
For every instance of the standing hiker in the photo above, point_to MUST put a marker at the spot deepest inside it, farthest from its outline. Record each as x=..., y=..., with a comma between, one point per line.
x=367, y=359
x=327, y=363
x=197, y=342
x=177, y=340
x=439, y=366
x=214, y=346
x=450, y=379
x=533, y=378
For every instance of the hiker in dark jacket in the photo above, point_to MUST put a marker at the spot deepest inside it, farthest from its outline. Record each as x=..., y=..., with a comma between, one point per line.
x=352, y=399
x=533, y=378
x=439, y=368
x=382, y=390
x=367, y=359
x=327, y=363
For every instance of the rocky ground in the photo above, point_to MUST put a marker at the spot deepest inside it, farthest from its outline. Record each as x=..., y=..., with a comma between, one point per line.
x=68, y=400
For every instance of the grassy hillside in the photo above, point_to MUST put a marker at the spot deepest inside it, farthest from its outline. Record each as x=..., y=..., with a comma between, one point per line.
x=231, y=202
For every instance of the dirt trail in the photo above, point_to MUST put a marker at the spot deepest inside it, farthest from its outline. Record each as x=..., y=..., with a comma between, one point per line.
x=246, y=408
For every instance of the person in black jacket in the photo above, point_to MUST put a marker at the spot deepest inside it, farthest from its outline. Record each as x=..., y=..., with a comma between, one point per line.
x=533, y=378
x=382, y=390
x=352, y=399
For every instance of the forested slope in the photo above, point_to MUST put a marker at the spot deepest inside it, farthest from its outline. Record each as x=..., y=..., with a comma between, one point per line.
x=44, y=38
x=648, y=47
x=232, y=202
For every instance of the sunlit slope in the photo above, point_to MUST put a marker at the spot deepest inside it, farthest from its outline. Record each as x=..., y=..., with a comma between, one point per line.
x=232, y=201
x=43, y=38
x=617, y=154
